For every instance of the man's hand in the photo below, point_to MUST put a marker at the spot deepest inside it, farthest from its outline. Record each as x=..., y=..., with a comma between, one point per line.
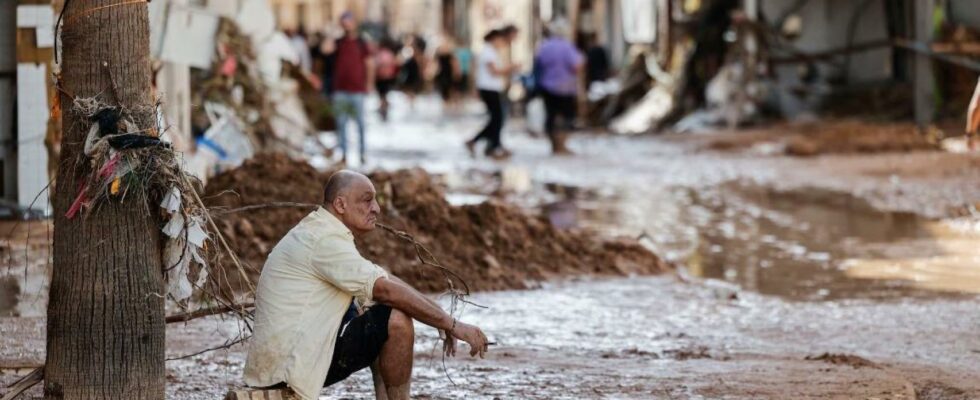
x=448, y=343
x=471, y=335
x=399, y=295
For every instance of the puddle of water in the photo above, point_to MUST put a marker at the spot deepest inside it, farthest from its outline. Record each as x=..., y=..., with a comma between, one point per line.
x=24, y=268
x=803, y=245
x=798, y=244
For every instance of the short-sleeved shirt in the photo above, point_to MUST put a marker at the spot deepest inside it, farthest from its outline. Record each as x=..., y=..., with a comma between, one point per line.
x=465, y=57
x=304, y=290
x=350, y=65
x=558, y=58
x=486, y=79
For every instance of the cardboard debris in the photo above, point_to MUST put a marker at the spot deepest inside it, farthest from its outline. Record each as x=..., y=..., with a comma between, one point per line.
x=195, y=233
x=642, y=117
x=177, y=259
x=175, y=226
x=171, y=202
x=272, y=52
x=290, y=122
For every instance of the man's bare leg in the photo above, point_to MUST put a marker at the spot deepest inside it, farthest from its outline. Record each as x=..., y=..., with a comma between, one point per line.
x=396, y=356
x=380, y=393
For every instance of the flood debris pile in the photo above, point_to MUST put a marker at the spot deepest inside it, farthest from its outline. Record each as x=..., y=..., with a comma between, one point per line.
x=699, y=66
x=250, y=101
x=492, y=246
x=234, y=82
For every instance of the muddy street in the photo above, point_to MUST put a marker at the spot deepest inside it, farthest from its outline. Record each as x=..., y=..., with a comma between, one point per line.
x=831, y=277
x=660, y=338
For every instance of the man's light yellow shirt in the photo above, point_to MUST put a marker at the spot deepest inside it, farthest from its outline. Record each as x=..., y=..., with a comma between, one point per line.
x=305, y=288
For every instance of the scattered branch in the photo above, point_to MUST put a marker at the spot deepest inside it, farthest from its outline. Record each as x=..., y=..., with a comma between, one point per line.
x=226, y=345
x=204, y=312
x=277, y=204
x=423, y=253
x=21, y=385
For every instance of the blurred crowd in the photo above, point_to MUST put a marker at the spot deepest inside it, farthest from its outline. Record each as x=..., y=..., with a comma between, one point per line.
x=349, y=64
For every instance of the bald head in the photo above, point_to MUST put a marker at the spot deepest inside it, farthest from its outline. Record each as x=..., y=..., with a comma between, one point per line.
x=350, y=196
x=340, y=182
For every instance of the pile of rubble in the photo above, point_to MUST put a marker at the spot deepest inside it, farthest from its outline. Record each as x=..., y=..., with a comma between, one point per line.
x=243, y=95
x=492, y=246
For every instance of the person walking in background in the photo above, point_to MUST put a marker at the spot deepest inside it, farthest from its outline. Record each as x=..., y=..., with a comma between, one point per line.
x=412, y=81
x=560, y=63
x=387, y=73
x=509, y=32
x=491, y=74
x=328, y=63
x=464, y=57
x=353, y=76
x=596, y=61
x=448, y=72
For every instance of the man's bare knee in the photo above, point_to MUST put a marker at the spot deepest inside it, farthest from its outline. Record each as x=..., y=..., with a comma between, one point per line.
x=400, y=324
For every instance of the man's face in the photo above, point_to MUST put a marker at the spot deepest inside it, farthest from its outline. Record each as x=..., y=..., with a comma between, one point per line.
x=348, y=24
x=358, y=207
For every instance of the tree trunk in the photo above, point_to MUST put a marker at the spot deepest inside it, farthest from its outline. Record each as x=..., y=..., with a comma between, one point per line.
x=105, y=314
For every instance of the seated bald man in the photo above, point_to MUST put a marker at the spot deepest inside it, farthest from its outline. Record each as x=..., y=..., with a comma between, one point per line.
x=308, y=333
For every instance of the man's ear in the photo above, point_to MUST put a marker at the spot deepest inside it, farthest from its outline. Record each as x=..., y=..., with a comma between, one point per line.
x=340, y=205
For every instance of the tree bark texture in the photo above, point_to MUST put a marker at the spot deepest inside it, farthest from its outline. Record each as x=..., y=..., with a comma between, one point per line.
x=105, y=314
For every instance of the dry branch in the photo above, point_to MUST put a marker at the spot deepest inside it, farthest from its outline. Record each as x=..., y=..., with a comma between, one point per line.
x=204, y=312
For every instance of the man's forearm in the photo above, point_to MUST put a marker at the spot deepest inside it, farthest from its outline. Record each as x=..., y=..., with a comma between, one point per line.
x=427, y=298
x=399, y=295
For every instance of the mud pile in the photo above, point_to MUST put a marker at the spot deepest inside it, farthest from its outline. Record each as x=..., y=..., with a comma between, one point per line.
x=830, y=137
x=850, y=136
x=492, y=246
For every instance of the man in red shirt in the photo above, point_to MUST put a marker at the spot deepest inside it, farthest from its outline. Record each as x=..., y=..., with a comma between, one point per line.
x=353, y=76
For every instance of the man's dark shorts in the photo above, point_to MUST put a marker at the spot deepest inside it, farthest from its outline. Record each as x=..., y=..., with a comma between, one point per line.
x=358, y=342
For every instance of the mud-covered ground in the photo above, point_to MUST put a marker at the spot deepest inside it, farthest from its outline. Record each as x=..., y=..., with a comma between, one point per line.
x=652, y=337
x=826, y=277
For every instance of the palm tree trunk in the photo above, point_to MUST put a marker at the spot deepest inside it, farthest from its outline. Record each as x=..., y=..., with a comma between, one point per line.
x=105, y=314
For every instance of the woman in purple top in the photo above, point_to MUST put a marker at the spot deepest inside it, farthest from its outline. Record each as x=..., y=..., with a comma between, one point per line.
x=559, y=64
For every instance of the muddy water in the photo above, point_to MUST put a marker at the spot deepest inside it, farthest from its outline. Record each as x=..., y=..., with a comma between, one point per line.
x=804, y=244
x=24, y=267
x=813, y=244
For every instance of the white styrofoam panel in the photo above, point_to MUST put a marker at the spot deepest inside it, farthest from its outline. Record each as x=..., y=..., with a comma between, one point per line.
x=32, y=127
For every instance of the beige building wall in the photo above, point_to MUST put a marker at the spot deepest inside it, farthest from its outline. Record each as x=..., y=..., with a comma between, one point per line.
x=422, y=17
x=318, y=14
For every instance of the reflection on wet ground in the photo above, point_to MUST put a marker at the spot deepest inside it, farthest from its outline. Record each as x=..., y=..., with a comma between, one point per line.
x=806, y=244
x=24, y=267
